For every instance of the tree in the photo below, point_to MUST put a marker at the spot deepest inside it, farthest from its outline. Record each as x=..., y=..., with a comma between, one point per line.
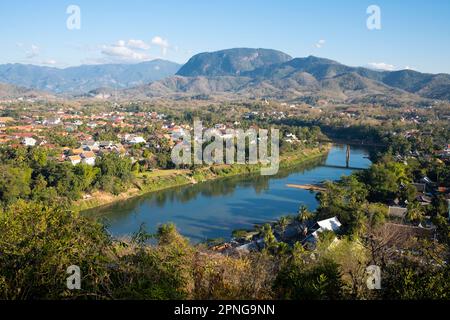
x=42, y=193
x=376, y=213
x=399, y=145
x=352, y=259
x=303, y=214
x=270, y=241
x=410, y=280
x=14, y=183
x=39, y=244
x=86, y=175
x=415, y=212
x=115, y=173
x=408, y=193
x=384, y=180
x=346, y=200
x=62, y=177
x=313, y=281
x=38, y=157
x=283, y=223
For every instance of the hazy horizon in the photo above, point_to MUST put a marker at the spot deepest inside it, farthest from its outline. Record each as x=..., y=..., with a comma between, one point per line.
x=410, y=36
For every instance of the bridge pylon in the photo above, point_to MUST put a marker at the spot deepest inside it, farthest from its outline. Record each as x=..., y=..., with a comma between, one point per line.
x=347, y=158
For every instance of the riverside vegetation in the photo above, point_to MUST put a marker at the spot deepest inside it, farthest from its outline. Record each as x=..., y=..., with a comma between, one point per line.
x=105, y=134
x=40, y=237
x=163, y=179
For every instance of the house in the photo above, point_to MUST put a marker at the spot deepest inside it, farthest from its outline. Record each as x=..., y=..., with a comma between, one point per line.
x=423, y=199
x=291, y=135
x=52, y=122
x=426, y=180
x=74, y=159
x=29, y=142
x=177, y=133
x=90, y=145
x=420, y=187
x=88, y=157
x=331, y=224
x=136, y=140
x=447, y=148
x=76, y=151
x=397, y=212
x=110, y=146
x=401, y=234
x=291, y=138
x=105, y=144
x=6, y=119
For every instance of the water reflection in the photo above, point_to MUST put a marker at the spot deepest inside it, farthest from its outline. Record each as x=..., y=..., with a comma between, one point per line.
x=215, y=208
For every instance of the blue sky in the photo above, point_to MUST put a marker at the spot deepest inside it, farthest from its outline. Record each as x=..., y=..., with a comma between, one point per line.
x=414, y=34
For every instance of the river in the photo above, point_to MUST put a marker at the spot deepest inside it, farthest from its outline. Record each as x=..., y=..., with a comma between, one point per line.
x=214, y=209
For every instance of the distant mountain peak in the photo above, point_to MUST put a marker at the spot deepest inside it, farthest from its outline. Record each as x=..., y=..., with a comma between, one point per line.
x=231, y=62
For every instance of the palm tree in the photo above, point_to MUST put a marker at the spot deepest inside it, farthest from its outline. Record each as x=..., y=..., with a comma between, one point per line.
x=283, y=222
x=414, y=213
x=303, y=214
x=268, y=236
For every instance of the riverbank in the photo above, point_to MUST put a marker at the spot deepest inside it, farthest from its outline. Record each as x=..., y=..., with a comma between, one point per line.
x=164, y=179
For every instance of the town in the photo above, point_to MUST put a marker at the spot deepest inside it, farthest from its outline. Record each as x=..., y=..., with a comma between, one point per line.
x=273, y=156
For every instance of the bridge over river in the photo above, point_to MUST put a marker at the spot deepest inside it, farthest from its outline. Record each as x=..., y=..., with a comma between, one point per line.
x=348, y=145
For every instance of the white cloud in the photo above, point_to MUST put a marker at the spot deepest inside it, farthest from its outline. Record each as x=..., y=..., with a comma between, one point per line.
x=33, y=52
x=126, y=51
x=133, y=44
x=138, y=44
x=49, y=62
x=129, y=51
x=162, y=43
x=123, y=53
x=382, y=66
x=320, y=44
x=120, y=43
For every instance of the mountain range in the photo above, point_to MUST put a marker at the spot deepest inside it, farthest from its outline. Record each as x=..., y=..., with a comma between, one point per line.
x=243, y=72
x=86, y=77
x=9, y=91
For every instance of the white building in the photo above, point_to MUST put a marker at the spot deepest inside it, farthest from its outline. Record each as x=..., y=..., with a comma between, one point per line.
x=29, y=142
x=88, y=158
x=331, y=224
x=52, y=122
x=74, y=160
x=135, y=139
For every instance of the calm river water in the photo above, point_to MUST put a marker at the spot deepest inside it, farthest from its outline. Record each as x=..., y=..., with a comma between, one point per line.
x=215, y=208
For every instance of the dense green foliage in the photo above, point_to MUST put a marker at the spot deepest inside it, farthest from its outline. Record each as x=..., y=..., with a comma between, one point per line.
x=40, y=243
x=30, y=174
x=40, y=238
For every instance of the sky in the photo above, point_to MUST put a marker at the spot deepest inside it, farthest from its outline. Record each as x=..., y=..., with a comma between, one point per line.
x=412, y=34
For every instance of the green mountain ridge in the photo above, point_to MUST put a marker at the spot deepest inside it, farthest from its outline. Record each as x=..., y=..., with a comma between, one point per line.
x=243, y=72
